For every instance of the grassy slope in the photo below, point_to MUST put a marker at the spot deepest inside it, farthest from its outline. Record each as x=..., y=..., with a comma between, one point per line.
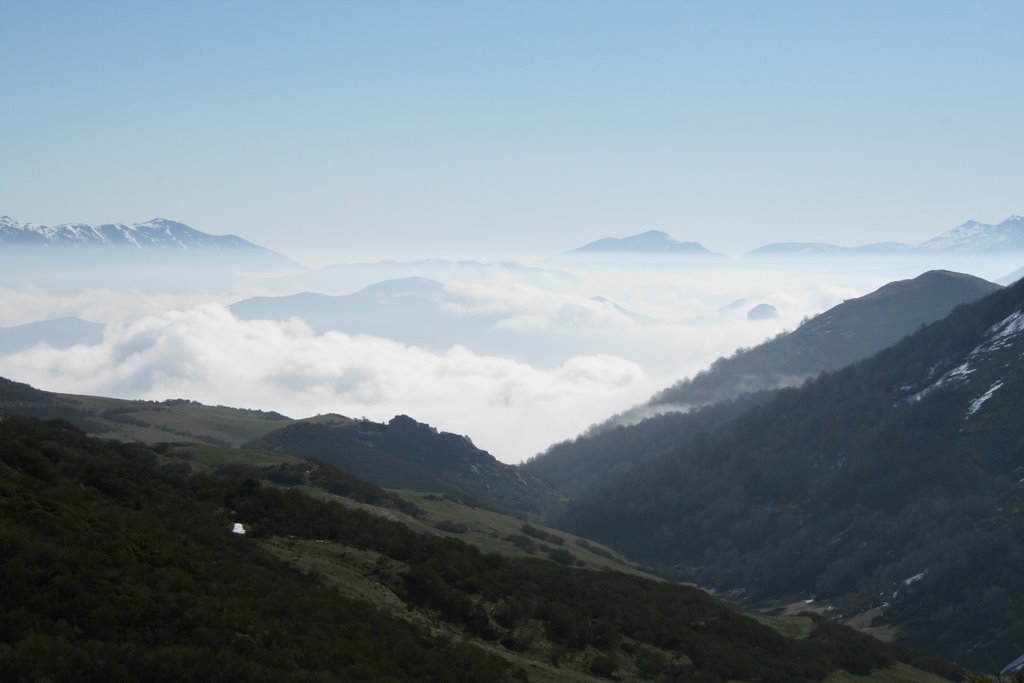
x=363, y=575
x=488, y=530
x=901, y=673
x=153, y=422
x=360, y=574
x=491, y=531
x=145, y=421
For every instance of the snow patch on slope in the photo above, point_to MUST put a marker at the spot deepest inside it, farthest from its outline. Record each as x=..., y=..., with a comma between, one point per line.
x=999, y=336
x=977, y=403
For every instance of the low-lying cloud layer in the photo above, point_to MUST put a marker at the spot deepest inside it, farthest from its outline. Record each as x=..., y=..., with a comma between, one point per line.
x=508, y=407
x=513, y=359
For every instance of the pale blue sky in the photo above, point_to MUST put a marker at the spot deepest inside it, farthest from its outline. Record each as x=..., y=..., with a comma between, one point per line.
x=473, y=128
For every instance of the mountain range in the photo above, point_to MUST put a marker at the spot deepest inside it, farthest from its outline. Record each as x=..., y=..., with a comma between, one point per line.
x=158, y=233
x=848, y=332
x=168, y=235
x=837, y=468
x=889, y=489
x=971, y=237
x=157, y=237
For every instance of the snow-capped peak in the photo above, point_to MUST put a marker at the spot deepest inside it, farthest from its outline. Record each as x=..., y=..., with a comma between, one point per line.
x=158, y=232
x=975, y=236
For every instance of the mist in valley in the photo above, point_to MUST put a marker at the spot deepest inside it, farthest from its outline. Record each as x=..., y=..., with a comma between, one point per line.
x=515, y=355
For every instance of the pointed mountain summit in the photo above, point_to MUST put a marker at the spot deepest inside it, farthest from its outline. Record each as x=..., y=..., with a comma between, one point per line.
x=652, y=242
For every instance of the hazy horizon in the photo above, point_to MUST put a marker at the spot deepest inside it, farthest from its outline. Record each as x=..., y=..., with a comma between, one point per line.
x=516, y=359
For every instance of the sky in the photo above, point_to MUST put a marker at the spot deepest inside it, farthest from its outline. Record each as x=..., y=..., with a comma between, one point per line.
x=347, y=131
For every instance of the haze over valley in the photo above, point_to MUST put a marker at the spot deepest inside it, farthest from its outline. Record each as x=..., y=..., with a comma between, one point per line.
x=479, y=348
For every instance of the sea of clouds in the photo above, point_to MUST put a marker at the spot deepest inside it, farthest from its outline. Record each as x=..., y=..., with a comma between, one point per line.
x=552, y=360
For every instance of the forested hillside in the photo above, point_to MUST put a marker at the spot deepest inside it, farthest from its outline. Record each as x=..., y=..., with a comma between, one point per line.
x=850, y=331
x=115, y=570
x=894, y=483
x=408, y=454
x=595, y=460
x=402, y=453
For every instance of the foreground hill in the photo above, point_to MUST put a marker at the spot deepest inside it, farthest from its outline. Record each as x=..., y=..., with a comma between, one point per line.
x=115, y=569
x=848, y=332
x=147, y=421
x=410, y=455
x=893, y=484
x=401, y=454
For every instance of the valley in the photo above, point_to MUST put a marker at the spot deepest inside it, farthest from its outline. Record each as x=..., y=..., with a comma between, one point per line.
x=820, y=498
x=493, y=342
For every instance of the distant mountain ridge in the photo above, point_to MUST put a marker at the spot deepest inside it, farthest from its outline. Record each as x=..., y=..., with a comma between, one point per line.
x=652, y=242
x=423, y=312
x=158, y=232
x=973, y=236
x=823, y=249
x=158, y=235
x=969, y=237
x=59, y=333
x=413, y=310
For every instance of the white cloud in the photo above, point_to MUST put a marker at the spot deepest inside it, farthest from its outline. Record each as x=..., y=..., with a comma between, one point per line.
x=204, y=353
x=21, y=304
x=551, y=362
